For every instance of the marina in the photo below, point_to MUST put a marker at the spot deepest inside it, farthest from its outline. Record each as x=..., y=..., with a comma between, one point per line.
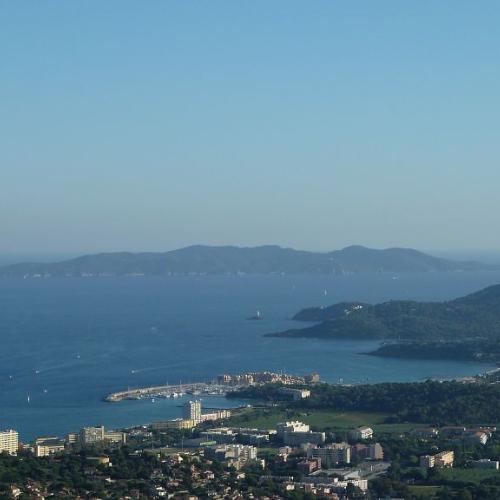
x=167, y=391
x=225, y=383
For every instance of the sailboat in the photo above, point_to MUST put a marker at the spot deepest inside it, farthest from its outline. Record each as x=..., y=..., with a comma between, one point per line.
x=257, y=316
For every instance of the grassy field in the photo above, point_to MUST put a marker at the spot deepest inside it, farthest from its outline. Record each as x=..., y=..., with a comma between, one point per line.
x=424, y=491
x=469, y=475
x=322, y=420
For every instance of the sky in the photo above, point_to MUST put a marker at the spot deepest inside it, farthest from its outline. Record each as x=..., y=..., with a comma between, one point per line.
x=128, y=125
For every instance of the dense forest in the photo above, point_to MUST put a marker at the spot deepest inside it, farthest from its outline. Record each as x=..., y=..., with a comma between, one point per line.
x=437, y=403
x=474, y=316
x=487, y=351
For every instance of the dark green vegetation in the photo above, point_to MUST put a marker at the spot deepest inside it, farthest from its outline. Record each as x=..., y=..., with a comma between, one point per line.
x=142, y=475
x=460, y=482
x=474, y=316
x=487, y=351
x=70, y=474
x=233, y=260
x=426, y=402
x=407, y=480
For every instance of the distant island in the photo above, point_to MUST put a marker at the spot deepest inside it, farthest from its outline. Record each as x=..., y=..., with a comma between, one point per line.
x=475, y=316
x=200, y=260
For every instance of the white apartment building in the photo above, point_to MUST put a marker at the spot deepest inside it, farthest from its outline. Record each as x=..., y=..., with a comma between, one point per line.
x=294, y=426
x=443, y=459
x=362, y=432
x=332, y=454
x=46, y=449
x=9, y=441
x=241, y=452
x=115, y=437
x=192, y=411
x=91, y=435
x=296, y=433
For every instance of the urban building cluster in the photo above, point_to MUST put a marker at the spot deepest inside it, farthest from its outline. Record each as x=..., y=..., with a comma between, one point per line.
x=48, y=445
x=342, y=453
x=233, y=455
x=244, y=435
x=477, y=435
x=234, y=461
x=298, y=440
x=303, y=461
x=331, y=488
x=258, y=378
x=191, y=417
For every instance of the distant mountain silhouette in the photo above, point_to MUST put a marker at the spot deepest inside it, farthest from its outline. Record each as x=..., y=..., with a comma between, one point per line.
x=243, y=260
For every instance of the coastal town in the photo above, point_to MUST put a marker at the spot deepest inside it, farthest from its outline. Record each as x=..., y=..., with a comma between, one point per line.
x=248, y=250
x=271, y=449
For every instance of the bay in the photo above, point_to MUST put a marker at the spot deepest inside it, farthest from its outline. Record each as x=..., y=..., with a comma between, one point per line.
x=66, y=343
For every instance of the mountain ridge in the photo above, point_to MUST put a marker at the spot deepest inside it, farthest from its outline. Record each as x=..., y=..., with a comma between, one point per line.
x=265, y=259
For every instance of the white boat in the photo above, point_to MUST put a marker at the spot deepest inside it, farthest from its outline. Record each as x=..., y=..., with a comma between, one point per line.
x=257, y=317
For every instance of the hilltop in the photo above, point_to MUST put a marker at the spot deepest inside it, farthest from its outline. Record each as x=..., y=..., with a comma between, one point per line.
x=268, y=259
x=474, y=316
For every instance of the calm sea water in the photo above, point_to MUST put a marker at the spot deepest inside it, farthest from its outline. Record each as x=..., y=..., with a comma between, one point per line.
x=66, y=343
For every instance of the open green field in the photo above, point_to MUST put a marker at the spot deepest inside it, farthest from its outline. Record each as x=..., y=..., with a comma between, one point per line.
x=322, y=420
x=468, y=475
x=424, y=491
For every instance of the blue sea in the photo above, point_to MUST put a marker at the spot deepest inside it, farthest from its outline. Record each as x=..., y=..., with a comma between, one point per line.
x=66, y=343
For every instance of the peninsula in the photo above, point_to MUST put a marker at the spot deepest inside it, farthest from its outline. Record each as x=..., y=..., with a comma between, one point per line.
x=482, y=350
x=475, y=316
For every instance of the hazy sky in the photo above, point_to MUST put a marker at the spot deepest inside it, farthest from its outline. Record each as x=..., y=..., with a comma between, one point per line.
x=151, y=125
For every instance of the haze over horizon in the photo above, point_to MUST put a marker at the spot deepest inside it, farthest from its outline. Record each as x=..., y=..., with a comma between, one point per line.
x=139, y=127
x=483, y=256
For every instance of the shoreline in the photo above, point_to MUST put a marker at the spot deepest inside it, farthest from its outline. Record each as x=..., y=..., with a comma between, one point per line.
x=166, y=391
x=211, y=389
